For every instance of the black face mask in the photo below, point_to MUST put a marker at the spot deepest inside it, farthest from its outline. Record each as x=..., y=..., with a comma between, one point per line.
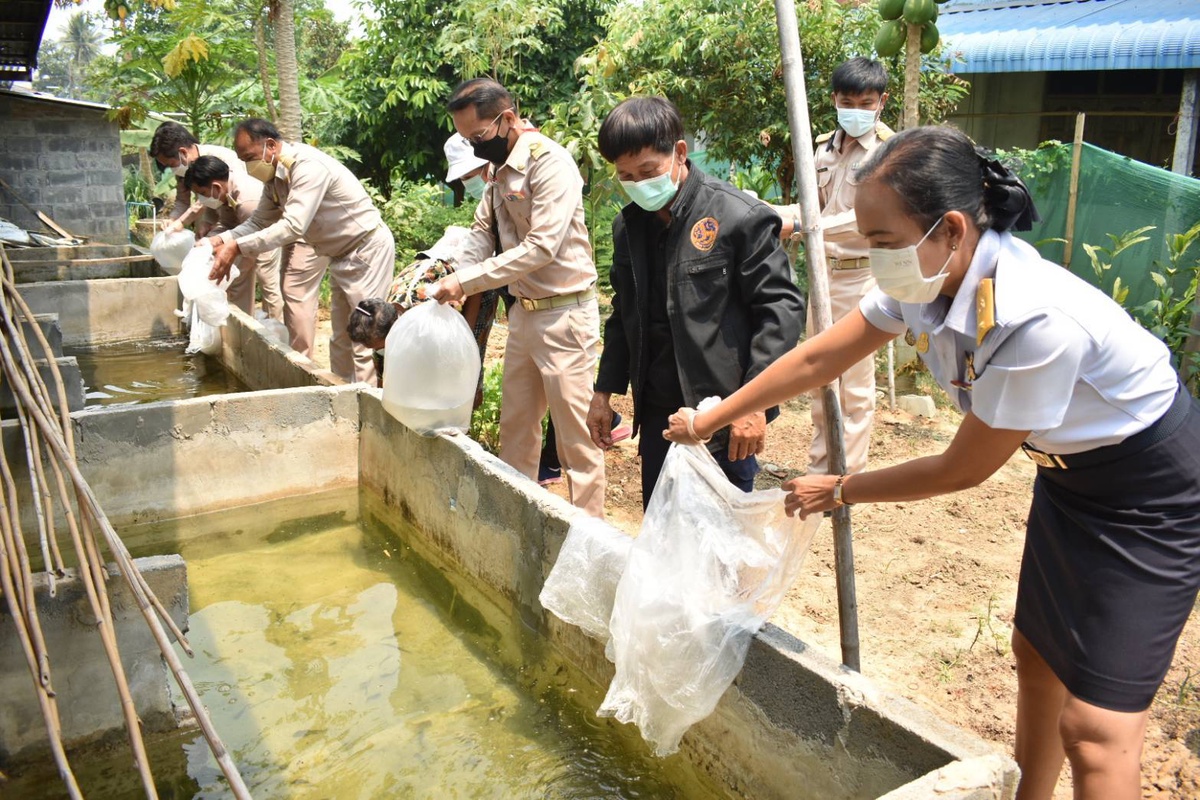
x=494, y=149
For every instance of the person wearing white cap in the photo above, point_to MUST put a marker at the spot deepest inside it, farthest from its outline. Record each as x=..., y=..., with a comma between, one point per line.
x=465, y=166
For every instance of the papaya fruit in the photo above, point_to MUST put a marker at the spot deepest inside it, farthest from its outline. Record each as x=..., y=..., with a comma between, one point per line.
x=918, y=12
x=890, y=39
x=891, y=9
x=929, y=38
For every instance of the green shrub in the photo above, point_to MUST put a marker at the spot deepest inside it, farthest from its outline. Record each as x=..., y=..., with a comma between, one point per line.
x=485, y=422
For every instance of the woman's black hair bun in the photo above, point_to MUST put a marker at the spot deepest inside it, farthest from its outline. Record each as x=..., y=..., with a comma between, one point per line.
x=1005, y=197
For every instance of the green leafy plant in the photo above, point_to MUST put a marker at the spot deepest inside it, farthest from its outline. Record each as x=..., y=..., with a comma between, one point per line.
x=485, y=422
x=1102, y=259
x=1169, y=314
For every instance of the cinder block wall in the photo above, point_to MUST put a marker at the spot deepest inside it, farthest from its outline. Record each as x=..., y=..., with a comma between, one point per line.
x=62, y=158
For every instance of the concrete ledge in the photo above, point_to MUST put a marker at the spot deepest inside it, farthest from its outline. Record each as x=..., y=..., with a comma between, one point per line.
x=171, y=459
x=793, y=718
x=72, y=378
x=86, y=262
x=48, y=323
x=105, y=311
x=260, y=362
x=88, y=704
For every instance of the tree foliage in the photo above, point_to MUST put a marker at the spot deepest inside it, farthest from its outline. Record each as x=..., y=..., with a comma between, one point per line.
x=719, y=62
x=399, y=75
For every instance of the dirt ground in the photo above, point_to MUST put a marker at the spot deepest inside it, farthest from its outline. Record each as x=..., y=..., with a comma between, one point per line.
x=936, y=584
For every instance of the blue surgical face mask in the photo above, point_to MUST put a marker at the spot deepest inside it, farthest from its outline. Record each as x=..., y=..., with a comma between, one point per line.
x=856, y=121
x=474, y=186
x=653, y=193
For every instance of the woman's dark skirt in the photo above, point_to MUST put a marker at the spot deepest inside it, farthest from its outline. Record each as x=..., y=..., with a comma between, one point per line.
x=1112, y=561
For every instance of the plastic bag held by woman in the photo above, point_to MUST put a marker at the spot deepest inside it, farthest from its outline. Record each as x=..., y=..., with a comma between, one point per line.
x=171, y=248
x=431, y=367
x=710, y=566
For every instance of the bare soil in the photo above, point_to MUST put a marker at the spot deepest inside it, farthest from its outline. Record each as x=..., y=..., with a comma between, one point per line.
x=936, y=584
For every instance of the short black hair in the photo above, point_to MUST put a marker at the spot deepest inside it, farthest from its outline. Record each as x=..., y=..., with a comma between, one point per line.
x=858, y=76
x=638, y=123
x=258, y=129
x=203, y=171
x=489, y=98
x=168, y=138
x=371, y=319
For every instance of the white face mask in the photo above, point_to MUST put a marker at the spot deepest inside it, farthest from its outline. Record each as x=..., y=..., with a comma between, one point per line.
x=181, y=169
x=898, y=272
x=856, y=121
x=474, y=186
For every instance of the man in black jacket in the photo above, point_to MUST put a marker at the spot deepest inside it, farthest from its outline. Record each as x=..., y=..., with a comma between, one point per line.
x=703, y=295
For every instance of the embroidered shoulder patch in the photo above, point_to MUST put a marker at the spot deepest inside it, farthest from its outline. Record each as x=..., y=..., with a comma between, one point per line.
x=704, y=234
x=514, y=197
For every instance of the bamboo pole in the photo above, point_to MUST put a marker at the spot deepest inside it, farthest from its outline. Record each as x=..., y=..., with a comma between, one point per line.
x=818, y=293
x=1073, y=192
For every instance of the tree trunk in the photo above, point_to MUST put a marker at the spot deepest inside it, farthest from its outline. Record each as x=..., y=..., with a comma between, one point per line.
x=287, y=71
x=264, y=71
x=912, y=77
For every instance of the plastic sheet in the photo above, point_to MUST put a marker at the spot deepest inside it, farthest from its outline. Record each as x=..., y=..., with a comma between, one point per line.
x=431, y=369
x=582, y=586
x=710, y=566
x=202, y=337
x=171, y=248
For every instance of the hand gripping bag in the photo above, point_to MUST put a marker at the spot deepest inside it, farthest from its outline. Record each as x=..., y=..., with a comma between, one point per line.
x=430, y=369
x=709, y=567
x=171, y=248
x=207, y=296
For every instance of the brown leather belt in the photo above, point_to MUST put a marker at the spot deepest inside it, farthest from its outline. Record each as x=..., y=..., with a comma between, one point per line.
x=559, y=300
x=849, y=263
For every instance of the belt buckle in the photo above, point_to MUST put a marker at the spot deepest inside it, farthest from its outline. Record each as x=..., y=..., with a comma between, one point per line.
x=1047, y=460
x=527, y=304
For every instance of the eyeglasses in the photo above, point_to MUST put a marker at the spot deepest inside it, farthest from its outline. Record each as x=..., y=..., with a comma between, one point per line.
x=478, y=138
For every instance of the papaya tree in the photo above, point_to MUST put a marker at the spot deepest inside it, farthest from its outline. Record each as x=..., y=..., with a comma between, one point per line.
x=908, y=25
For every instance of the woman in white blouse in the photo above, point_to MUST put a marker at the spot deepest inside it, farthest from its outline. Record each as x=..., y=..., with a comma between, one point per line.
x=1036, y=359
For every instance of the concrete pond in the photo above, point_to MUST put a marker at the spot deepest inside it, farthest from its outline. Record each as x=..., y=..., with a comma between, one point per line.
x=434, y=547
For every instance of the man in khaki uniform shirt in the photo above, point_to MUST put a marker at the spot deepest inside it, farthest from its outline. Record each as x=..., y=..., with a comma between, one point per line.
x=174, y=148
x=311, y=196
x=859, y=92
x=532, y=213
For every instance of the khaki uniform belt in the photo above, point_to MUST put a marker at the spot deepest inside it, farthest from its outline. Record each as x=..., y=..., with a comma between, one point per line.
x=558, y=301
x=849, y=263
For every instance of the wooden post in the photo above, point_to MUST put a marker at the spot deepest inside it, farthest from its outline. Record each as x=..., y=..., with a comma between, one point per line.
x=1187, y=126
x=1072, y=195
x=818, y=296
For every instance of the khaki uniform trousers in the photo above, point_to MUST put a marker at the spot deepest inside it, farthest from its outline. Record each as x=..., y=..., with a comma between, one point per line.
x=550, y=360
x=857, y=386
x=365, y=271
x=263, y=269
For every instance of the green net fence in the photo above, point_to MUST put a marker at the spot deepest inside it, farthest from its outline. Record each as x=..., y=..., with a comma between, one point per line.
x=1115, y=195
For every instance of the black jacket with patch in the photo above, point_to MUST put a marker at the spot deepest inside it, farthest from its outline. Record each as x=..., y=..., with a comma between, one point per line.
x=732, y=303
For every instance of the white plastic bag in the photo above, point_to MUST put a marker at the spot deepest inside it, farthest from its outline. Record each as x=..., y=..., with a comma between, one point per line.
x=430, y=369
x=709, y=567
x=202, y=337
x=171, y=248
x=273, y=329
x=207, y=296
x=582, y=585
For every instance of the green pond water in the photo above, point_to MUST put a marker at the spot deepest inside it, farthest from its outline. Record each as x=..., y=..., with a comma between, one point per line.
x=337, y=662
x=145, y=372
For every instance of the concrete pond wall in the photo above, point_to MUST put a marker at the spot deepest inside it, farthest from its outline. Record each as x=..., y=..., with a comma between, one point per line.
x=792, y=718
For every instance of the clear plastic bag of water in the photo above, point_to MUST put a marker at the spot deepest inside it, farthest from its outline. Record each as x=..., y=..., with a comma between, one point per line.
x=582, y=585
x=206, y=295
x=709, y=567
x=273, y=329
x=430, y=369
x=202, y=337
x=170, y=248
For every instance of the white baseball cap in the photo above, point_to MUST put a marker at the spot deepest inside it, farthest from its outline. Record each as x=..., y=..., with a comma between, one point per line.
x=461, y=157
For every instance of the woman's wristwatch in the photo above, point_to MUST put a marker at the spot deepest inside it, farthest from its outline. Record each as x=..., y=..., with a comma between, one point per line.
x=838, y=499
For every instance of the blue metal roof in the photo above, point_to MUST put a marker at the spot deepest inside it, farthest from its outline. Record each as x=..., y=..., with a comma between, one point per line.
x=1053, y=35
